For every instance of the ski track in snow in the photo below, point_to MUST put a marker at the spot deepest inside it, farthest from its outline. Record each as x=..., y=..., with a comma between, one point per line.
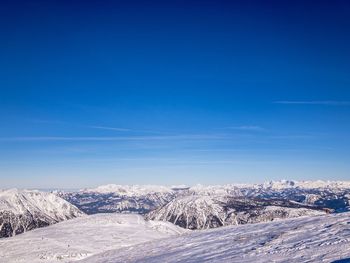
x=307, y=239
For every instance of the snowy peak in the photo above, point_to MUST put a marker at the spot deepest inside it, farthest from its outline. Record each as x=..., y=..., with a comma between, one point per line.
x=192, y=212
x=120, y=198
x=216, y=190
x=234, y=189
x=130, y=190
x=282, y=184
x=229, y=189
x=22, y=210
x=145, y=198
x=202, y=212
x=285, y=184
x=23, y=201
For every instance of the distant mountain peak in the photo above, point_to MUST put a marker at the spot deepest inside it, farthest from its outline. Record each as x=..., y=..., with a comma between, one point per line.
x=130, y=190
x=282, y=184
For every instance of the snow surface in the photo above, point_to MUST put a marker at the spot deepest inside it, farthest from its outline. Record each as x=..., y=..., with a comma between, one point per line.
x=307, y=239
x=81, y=237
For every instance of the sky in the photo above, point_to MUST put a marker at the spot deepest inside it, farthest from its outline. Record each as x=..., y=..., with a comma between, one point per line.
x=173, y=92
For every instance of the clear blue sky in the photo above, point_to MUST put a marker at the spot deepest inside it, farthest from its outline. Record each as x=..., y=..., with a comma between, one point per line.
x=170, y=92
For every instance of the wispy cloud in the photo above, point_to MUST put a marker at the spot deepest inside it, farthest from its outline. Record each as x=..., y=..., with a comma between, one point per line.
x=248, y=128
x=100, y=127
x=109, y=128
x=116, y=138
x=294, y=137
x=97, y=127
x=119, y=129
x=315, y=102
x=47, y=121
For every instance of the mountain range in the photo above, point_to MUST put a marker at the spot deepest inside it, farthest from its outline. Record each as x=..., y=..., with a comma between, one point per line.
x=196, y=207
x=283, y=221
x=202, y=212
x=216, y=205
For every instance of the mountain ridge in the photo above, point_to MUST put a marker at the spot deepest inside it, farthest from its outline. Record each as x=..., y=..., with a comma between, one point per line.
x=23, y=210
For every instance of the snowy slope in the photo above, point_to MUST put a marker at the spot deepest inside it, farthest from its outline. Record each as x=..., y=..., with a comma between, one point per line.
x=202, y=212
x=22, y=210
x=307, y=239
x=81, y=237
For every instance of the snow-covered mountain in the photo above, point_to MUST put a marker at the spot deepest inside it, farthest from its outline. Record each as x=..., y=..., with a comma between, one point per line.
x=217, y=190
x=82, y=237
x=202, y=212
x=191, y=212
x=120, y=198
x=307, y=239
x=143, y=199
x=319, y=184
x=130, y=190
x=310, y=237
x=334, y=195
x=23, y=210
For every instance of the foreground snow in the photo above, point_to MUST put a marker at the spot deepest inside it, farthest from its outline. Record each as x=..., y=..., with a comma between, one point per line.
x=308, y=239
x=82, y=237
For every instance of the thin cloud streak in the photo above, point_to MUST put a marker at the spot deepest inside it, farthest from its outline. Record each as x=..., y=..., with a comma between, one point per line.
x=179, y=137
x=121, y=138
x=315, y=102
x=294, y=137
x=98, y=127
x=39, y=121
x=109, y=128
x=118, y=129
x=248, y=128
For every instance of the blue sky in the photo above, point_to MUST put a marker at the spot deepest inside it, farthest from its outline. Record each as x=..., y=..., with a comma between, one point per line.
x=173, y=92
